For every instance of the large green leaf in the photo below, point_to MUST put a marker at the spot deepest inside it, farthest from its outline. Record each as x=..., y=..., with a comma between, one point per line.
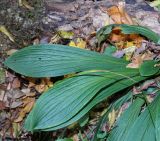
x=55, y=60
x=147, y=126
x=104, y=32
x=116, y=105
x=72, y=98
x=148, y=68
x=126, y=121
x=110, y=90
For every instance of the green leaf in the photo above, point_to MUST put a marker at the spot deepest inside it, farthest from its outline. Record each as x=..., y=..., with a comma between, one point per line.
x=84, y=120
x=148, y=68
x=110, y=90
x=117, y=104
x=55, y=60
x=147, y=125
x=126, y=121
x=66, y=99
x=65, y=139
x=104, y=32
x=110, y=50
x=71, y=99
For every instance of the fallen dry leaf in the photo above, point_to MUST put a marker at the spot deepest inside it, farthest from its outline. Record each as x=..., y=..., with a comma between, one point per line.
x=112, y=118
x=25, y=4
x=2, y=105
x=16, y=129
x=118, y=14
x=80, y=43
x=6, y=32
x=136, y=62
x=27, y=106
x=11, y=51
x=16, y=104
x=16, y=83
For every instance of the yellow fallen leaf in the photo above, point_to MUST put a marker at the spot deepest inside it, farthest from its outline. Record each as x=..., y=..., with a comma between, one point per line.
x=155, y=3
x=66, y=34
x=112, y=118
x=129, y=44
x=80, y=43
x=6, y=32
x=72, y=44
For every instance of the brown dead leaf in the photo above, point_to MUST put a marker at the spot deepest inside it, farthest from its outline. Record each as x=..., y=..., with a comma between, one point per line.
x=125, y=18
x=27, y=106
x=16, y=83
x=41, y=87
x=2, y=105
x=119, y=15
